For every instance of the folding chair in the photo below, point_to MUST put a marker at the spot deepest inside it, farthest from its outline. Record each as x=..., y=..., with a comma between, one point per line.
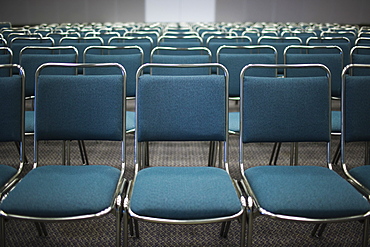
x=82, y=108
x=275, y=110
x=360, y=55
x=194, y=109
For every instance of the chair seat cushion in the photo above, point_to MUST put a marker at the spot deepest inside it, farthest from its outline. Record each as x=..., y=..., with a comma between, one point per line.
x=130, y=121
x=234, y=122
x=362, y=174
x=63, y=191
x=184, y=193
x=305, y=191
x=6, y=173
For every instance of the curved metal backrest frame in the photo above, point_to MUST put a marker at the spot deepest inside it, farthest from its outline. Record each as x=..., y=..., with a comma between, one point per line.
x=109, y=48
x=86, y=65
x=139, y=73
x=347, y=71
x=22, y=155
x=201, y=49
x=80, y=40
x=287, y=66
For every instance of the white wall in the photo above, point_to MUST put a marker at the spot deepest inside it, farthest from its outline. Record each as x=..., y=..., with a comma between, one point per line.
x=180, y=10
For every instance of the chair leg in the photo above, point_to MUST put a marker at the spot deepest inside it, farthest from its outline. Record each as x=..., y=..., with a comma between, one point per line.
x=212, y=153
x=365, y=237
x=294, y=154
x=318, y=230
x=243, y=228
x=17, y=144
x=119, y=215
x=367, y=153
x=83, y=153
x=336, y=155
x=250, y=226
x=41, y=229
x=2, y=232
x=275, y=153
x=125, y=228
x=225, y=229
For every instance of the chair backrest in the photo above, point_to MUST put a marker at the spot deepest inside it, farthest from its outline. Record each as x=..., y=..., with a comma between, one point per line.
x=343, y=42
x=79, y=107
x=12, y=105
x=330, y=56
x=151, y=34
x=363, y=41
x=130, y=57
x=180, y=41
x=181, y=108
x=178, y=56
x=12, y=122
x=239, y=57
x=6, y=57
x=280, y=43
x=285, y=109
x=355, y=103
x=81, y=43
x=214, y=42
x=146, y=43
x=360, y=55
x=17, y=44
x=31, y=57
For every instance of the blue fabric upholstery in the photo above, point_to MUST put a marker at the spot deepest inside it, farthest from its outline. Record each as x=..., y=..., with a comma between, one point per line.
x=10, y=121
x=130, y=120
x=305, y=191
x=361, y=174
x=336, y=121
x=234, y=121
x=180, y=59
x=184, y=193
x=235, y=62
x=70, y=190
x=131, y=63
x=361, y=59
x=274, y=108
x=166, y=104
x=73, y=114
x=29, y=122
x=7, y=172
x=30, y=63
x=145, y=44
x=332, y=61
x=357, y=118
x=5, y=59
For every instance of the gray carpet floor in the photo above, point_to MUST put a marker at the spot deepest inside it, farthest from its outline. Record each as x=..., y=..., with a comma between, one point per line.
x=101, y=232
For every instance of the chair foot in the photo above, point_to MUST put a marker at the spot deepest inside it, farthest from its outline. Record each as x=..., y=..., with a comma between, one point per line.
x=318, y=230
x=41, y=229
x=225, y=229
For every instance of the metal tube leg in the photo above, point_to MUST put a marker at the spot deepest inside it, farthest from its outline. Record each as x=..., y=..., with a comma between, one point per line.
x=2, y=232
x=365, y=237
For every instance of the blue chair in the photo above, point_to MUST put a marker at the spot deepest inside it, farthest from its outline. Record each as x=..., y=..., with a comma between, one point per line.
x=280, y=43
x=154, y=35
x=343, y=42
x=355, y=106
x=214, y=42
x=173, y=194
x=6, y=57
x=17, y=44
x=81, y=43
x=360, y=55
x=52, y=193
x=271, y=112
x=130, y=57
x=12, y=123
x=173, y=55
x=146, y=43
x=180, y=41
